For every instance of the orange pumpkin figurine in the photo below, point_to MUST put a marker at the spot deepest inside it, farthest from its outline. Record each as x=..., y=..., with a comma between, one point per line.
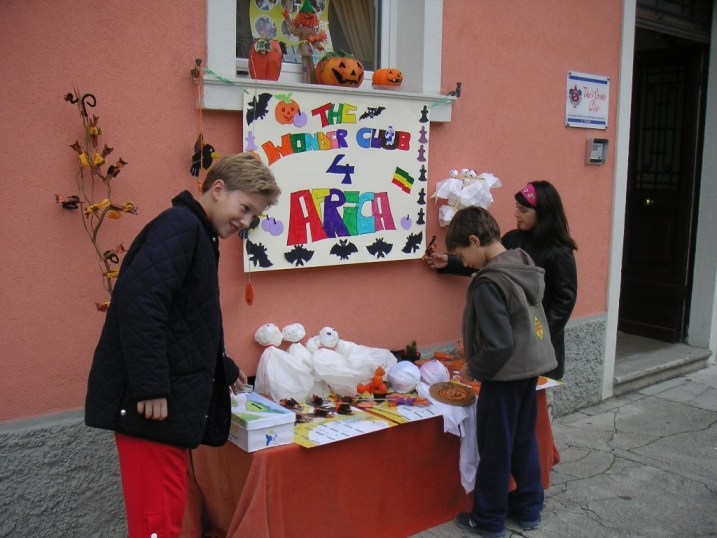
x=265, y=57
x=387, y=78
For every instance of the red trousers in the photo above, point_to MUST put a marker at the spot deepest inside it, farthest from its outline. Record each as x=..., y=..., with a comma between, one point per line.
x=154, y=482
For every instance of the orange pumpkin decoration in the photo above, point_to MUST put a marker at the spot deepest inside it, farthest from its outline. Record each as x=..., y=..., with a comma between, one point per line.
x=388, y=77
x=339, y=69
x=286, y=109
x=265, y=58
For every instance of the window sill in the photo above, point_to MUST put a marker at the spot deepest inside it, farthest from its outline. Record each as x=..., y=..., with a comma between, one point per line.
x=223, y=94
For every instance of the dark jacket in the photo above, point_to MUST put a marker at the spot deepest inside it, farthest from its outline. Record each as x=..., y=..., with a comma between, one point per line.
x=505, y=333
x=163, y=338
x=561, y=286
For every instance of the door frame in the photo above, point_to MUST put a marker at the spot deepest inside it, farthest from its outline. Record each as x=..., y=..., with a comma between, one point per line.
x=702, y=330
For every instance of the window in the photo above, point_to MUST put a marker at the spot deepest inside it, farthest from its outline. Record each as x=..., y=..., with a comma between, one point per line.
x=350, y=26
x=408, y=35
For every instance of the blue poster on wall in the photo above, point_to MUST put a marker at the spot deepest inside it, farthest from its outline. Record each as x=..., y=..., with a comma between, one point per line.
x=353, y=172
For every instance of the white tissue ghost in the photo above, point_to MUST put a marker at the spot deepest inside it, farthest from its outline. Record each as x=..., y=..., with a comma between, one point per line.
x=344, y=364
x=280, y=375
x=332, y=367
x=294, y=333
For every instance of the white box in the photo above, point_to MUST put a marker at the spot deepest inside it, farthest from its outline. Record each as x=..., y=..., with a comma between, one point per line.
x=258, y=423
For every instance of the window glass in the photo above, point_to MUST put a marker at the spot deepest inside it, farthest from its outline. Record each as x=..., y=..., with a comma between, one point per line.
x=350, y=26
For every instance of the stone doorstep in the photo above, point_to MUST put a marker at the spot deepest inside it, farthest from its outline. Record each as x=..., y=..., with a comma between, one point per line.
x=641, y=370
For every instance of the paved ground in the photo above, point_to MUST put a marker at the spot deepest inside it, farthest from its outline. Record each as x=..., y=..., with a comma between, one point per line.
x=640, y=465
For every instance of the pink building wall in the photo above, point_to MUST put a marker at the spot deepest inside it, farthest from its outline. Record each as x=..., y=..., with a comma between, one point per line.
x=511, y=59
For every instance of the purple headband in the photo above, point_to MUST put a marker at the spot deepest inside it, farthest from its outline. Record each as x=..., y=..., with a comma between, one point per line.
x=529, y=194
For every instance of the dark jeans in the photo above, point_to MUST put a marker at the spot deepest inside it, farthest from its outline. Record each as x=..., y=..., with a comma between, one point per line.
x=506, y=415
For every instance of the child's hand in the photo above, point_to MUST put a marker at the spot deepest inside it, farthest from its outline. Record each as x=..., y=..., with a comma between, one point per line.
x=437, y=261
x=464, y=375
x=239, y=384
x=153, y=409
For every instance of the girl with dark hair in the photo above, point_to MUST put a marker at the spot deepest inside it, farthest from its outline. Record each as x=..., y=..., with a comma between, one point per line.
x=542, y=231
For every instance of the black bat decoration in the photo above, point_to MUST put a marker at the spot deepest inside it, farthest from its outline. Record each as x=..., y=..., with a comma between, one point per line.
x=343, y=249
x=412, y=243
x=379, y=248
x=257, y=254
x=372, y=112
x=257, y=108
x=298, y=255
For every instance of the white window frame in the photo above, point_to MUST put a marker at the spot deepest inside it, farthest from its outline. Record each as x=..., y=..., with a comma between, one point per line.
x=417, y=53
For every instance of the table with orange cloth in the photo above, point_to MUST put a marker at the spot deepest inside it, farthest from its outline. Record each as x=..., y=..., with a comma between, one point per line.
x=393, y=482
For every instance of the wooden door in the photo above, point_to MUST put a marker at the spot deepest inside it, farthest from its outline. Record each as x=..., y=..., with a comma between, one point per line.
x=661, y=193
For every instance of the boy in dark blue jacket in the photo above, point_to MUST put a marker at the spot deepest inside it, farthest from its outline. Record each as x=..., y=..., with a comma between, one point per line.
x=507, y=346
x=160, y=377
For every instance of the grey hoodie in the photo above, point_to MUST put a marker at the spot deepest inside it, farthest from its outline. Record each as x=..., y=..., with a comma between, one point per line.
x=505, y=331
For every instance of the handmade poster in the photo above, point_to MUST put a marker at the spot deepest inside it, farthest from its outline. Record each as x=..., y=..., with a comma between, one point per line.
x=267, y=21
x=402, y=414
x=338, y=428
x=353, y=172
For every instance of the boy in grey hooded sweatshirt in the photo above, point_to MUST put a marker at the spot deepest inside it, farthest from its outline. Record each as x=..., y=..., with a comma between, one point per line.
x=507, y=346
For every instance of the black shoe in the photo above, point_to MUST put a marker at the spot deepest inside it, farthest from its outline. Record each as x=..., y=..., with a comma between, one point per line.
x=465, y=521
x=529, y=525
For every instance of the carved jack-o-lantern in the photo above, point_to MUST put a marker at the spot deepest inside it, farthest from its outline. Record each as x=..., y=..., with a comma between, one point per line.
x=286, y=109
x=389, y=77
x=339, y=69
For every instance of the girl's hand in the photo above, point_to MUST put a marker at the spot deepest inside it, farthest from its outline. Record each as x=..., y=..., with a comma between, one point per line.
x=437, y=261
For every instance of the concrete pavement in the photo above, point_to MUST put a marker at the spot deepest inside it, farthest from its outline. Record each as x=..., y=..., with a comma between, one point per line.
x=643, y=464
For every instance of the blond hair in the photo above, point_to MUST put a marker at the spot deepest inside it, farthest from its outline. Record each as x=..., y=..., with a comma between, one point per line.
x=244, y=172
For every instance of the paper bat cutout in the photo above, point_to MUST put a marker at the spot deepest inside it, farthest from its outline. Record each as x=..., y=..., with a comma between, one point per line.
x=298, y=255
x=379, y=248
x=372, y=112
x=258, y=107
x=257, y=254
x=343, y=249
x=412, y=243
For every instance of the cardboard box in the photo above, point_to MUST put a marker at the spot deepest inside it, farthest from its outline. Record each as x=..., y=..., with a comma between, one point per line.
x=258, y=423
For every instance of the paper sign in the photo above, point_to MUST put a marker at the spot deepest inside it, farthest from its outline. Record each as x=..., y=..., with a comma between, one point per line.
x=402, y=414
x=353, y=172
x=587, y=98
x=338, y=428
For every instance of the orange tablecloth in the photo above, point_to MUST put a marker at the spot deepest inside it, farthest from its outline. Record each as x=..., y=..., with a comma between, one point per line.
x=394, y=482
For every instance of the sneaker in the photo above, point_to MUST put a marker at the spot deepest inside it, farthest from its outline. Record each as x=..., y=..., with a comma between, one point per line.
x=465, y=521
x=529, y=525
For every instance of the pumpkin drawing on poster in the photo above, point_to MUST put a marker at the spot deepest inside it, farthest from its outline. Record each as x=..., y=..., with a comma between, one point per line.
x=353, y=173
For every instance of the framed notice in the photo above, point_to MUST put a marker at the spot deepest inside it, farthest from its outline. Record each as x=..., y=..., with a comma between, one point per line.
x=586, y=100
x=353, y=171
